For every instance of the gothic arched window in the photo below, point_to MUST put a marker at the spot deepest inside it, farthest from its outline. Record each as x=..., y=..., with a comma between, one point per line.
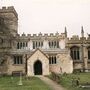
x=75, y=53
x=52, y=60
x=18, y=60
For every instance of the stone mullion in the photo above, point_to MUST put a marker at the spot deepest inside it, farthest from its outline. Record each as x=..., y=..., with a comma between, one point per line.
x=25, y=44
x=52, y=44
x=40, y=43
x=31, y=44
x=22, y=45
x=37, y=44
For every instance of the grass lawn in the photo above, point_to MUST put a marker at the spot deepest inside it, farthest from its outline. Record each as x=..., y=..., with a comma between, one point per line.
x=34, y=83
x=66, y=80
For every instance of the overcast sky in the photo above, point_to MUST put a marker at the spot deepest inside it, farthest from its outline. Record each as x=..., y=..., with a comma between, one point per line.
x=51, y=16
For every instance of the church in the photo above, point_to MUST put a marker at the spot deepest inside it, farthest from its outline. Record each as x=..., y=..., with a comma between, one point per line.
x=39, y=54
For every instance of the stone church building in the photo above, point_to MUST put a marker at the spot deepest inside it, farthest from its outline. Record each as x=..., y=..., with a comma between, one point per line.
x=39, y=54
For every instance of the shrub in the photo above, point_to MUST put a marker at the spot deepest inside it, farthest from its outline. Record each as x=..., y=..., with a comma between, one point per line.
x=76, y=71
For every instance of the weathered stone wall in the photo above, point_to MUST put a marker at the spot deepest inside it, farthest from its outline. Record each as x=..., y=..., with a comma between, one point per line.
x=10, y=17
x=77, y=65
x=88, y=65
x=55, y=68
x=14, y=67
x=64, y=64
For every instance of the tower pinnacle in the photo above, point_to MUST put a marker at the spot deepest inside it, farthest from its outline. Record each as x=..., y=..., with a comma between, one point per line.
x=65, y=31
x=82, y=31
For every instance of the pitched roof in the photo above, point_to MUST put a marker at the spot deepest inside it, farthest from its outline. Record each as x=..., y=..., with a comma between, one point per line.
x=36, y=51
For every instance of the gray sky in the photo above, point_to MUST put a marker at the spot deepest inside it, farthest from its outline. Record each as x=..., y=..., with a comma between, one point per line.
x=51, y=16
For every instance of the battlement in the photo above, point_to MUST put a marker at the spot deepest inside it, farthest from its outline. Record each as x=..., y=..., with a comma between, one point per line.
x=9, y=9
x=62, y=35
x=77, y=38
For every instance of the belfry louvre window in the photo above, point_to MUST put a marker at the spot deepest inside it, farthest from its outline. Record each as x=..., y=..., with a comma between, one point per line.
x=89, y=53
x=75, y=53
x=18, y=60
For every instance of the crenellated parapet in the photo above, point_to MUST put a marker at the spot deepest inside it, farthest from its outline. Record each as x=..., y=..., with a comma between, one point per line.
x=44, y=36
x=10, y=19
x=75, y=40
x=9, y=10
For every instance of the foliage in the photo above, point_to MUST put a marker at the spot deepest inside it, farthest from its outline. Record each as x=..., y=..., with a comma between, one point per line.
x=72, y=81
x=75, y=71
x=69, y=80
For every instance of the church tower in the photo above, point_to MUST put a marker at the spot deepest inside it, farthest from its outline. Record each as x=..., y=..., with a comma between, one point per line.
x=9, y=19
x=8, y=32
x=8, y=27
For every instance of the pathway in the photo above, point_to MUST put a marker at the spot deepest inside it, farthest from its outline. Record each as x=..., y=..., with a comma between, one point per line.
x=51, y=83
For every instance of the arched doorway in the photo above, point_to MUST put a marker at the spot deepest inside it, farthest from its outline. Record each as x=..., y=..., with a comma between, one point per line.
x=37, y=68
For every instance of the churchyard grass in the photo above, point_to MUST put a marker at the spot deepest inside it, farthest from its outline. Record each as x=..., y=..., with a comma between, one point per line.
x=66, y=81
x=11, y=83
